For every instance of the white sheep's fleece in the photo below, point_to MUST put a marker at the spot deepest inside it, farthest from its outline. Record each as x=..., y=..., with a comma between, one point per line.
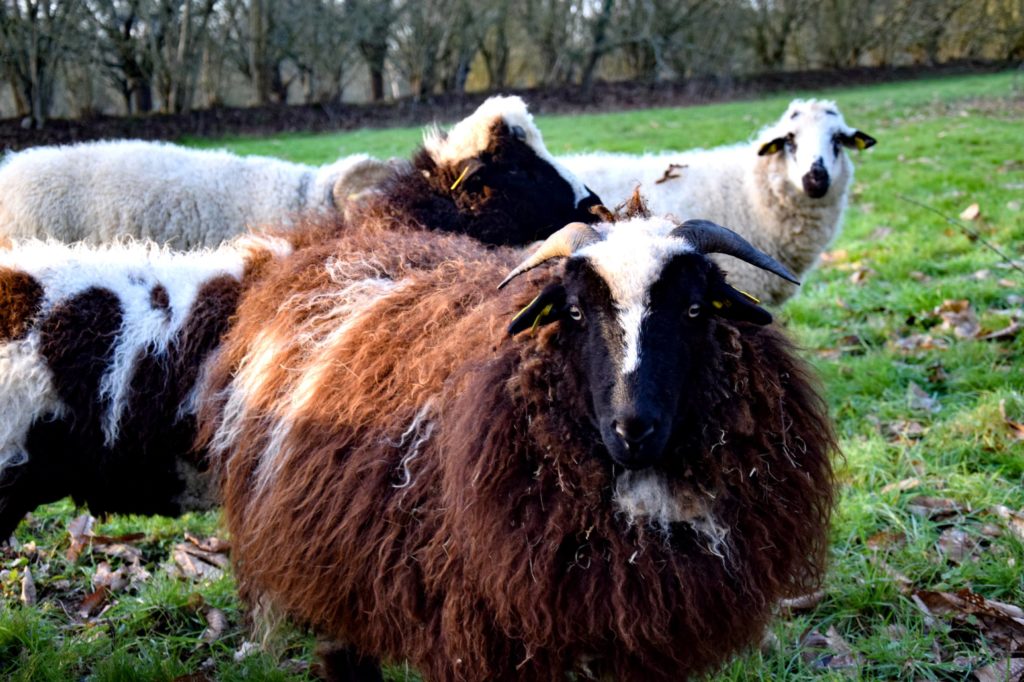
x=128, y=269
x=98, y=191
x=760, y=197
x=472, y=135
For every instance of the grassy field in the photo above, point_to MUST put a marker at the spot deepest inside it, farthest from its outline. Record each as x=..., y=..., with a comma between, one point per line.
x=896, y=320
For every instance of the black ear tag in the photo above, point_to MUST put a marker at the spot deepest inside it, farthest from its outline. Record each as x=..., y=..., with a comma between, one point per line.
x=545, y=309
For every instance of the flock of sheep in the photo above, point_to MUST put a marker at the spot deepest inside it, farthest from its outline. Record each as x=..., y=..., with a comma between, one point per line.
x=486, y=410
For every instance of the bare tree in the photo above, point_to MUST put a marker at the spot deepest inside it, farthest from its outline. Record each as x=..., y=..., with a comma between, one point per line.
x=372, y=20
x=35, y=36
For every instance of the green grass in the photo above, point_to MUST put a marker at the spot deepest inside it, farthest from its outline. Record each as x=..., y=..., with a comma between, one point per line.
x=945, y=142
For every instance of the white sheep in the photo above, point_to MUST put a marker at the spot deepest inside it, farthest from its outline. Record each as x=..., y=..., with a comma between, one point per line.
x=97, y=191
x=785, y=191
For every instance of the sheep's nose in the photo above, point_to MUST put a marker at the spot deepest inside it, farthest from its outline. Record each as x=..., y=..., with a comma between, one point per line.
x=816, y=180
x=634, y=430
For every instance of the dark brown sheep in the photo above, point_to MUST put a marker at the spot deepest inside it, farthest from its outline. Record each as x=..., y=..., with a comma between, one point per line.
x=409, y=481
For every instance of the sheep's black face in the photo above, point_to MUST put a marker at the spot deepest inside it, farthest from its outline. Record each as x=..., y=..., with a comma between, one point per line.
x=510, y=193
x=637, y=343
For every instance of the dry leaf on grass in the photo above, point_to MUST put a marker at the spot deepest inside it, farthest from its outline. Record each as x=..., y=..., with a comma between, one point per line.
x=211, y=544
x=958, y=317
x=80, y=530
x=94, y=601
x=1016, y=428
x=915, y=342
x=919, y=399
x=1006, y=670
x=28, y=588
x=971, y=212
x=884, y=539
x=828, y=651
x=934, y=507
x=245, y=651
x=904, y=429
x=1013, y=519
x=1000, y=625
x=901, y=486
x=216, y=624
x=957, y=545
x=113, y=580
x=201, y=559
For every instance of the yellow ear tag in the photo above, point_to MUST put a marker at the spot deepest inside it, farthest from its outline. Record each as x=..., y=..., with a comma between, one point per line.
x=753, y=298
x=540, y=316
x=718, y=304
x=460, y=178
x=543, y=313
x=861, y=144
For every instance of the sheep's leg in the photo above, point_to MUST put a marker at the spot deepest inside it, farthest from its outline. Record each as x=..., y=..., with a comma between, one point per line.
x=344, y=664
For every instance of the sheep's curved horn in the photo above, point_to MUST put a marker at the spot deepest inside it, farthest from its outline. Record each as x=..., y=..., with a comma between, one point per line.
x=709, y=237
x=565, y=242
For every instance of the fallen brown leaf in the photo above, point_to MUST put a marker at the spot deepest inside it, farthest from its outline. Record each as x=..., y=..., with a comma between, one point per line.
x=833, y=257
x=197, y=563
x=934, y=507
x=915, y=342
x=115, y=581
x=79, y=529
x=1014, y=519
x=1016, y=428
x=1007, y=332
x=1001, y=625
x=94, y=601
x=919, y=399
x=971, y=212
x=828, y=651
x=904, y=429
x=211, y=544
x=1006, y=670
x=957, y=545
x=885, y=538
x=28, y=588
x=905, y=484
x=216, y=624
x=958, y=317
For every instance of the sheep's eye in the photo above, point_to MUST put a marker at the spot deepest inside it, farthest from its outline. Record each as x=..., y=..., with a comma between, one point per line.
x=575, y=313
x=694, y=310
x=518, y=132
x=791, y=141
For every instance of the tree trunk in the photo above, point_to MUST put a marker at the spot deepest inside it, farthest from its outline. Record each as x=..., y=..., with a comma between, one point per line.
x=598, y=48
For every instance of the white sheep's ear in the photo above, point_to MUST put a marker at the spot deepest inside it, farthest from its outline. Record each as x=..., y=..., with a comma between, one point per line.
x=857, y=140
x=773, y=147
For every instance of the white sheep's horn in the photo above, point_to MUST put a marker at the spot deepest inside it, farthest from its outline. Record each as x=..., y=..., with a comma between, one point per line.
x=708, y=237
x=561, y=244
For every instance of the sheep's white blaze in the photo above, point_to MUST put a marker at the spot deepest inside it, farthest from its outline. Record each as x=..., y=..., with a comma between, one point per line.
x=130, y=270
x=472, y=135
x=630, y=259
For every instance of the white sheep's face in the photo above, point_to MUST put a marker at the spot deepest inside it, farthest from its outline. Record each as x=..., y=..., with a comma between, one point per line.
x=810, y=138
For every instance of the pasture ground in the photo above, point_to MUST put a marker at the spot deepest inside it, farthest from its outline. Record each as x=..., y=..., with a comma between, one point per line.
x=912, y=326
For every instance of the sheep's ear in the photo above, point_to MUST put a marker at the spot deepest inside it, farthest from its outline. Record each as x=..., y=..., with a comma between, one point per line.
x=734, y=304
x=545, y=309
x=773, y=147
x=469, y=168
x=857, y=140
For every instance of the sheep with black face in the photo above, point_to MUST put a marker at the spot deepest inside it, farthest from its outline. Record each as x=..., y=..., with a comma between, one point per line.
x=626, y=491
